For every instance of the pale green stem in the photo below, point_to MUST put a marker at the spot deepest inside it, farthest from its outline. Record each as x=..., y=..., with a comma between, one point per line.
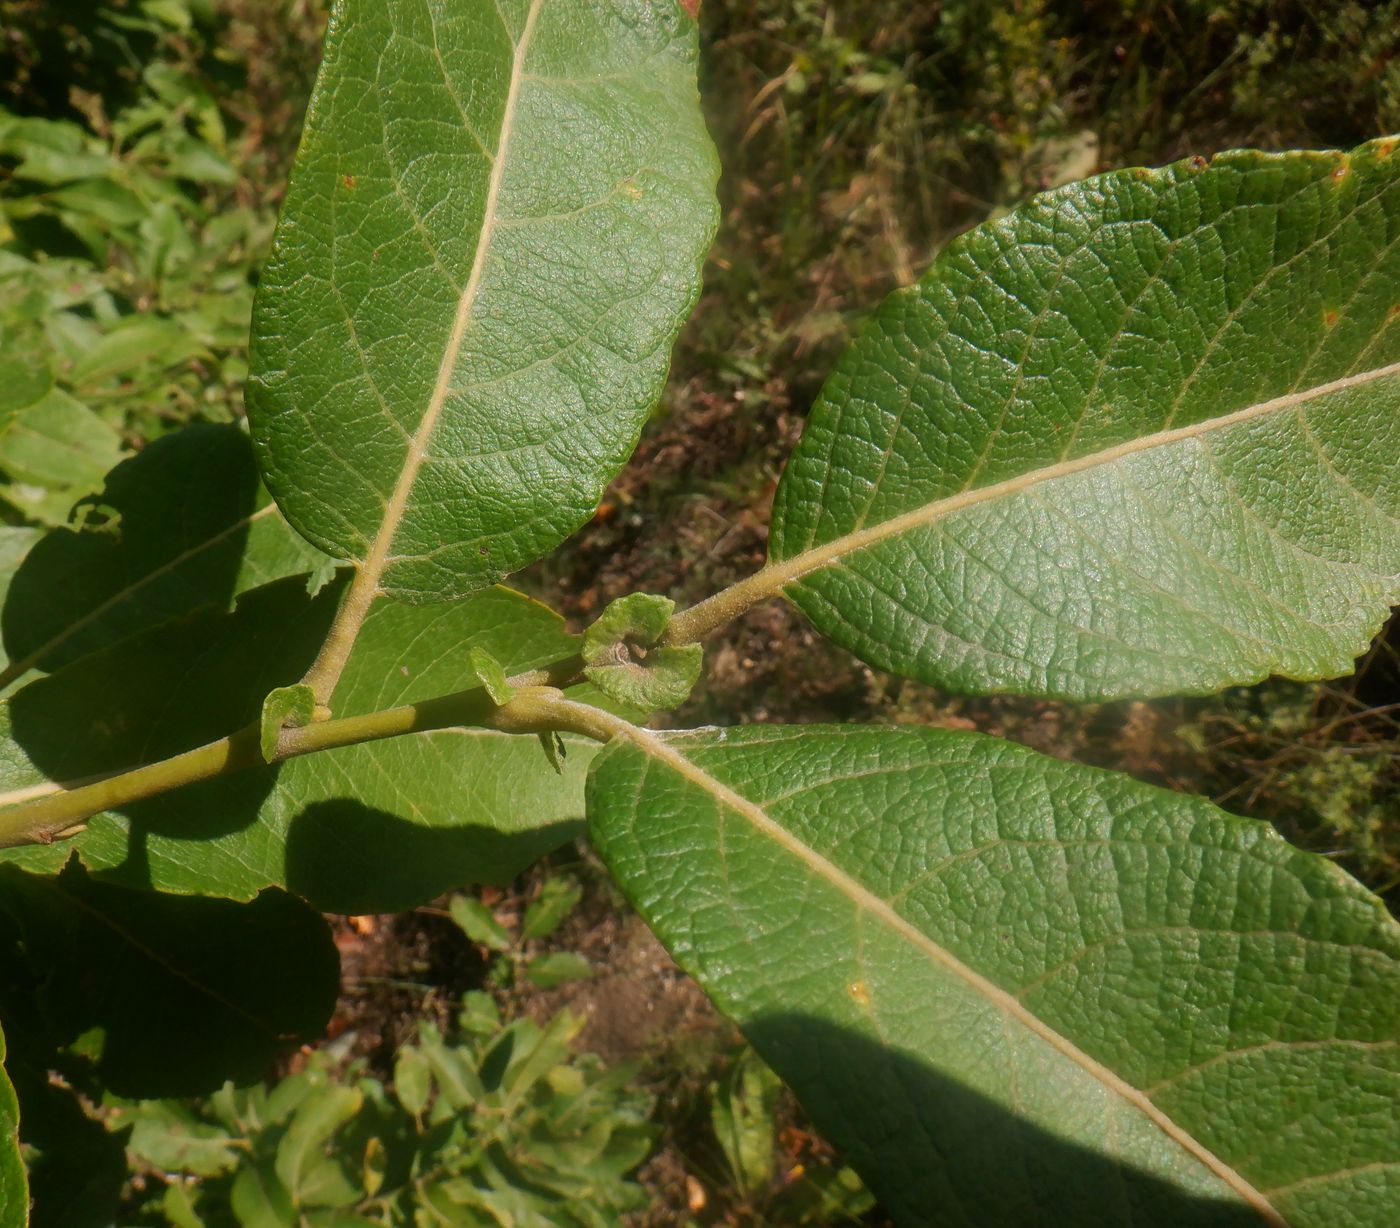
x=700, y=620
x=62, y=812
x=330, y=662
x=697, y=622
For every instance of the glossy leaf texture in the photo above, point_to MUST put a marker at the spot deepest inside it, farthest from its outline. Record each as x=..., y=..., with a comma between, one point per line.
x=164, y=995
x=376, y=827
x=183, y=524
x=1019, y=990
x=14, y=1187
x=493, y=232
x=1135, y=438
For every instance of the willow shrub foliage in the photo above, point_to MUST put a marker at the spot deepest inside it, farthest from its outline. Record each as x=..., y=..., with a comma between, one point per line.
x=1137, y=437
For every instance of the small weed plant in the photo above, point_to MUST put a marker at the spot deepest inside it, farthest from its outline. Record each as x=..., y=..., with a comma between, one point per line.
x=1133, y=438
x=503, y=1125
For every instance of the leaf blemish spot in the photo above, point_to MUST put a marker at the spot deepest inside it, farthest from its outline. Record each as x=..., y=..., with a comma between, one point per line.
x=860, y=993
x=1340, y=172
x=348, y=180
x=1329, y=317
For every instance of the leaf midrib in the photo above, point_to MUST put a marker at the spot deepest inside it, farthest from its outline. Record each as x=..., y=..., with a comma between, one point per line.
x=372, y=569
x=778, y=575
x=863, y=898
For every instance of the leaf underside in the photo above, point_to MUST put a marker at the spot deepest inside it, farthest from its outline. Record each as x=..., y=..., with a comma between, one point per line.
x=1135, y=438
x=493, y=232
x=374, y=827
x=1021, y=990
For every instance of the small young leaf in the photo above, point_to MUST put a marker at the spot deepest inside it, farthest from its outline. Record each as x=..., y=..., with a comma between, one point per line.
x=622, y=661
x=479, y=1015
x=945, y=943
x=168, y=1136
x=555, y=968
x=301, y=1163
x=557, y=899
x=413, y=1082
x=556, y=750
x=742, y=1116
x=1135, y=438
x=492, y=674
x=288, y=707
x=474, y=919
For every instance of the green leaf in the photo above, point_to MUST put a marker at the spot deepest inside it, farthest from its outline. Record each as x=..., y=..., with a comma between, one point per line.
x=459, y=1085
x=493, y=232
x=183, y=524
x=476, y=921
x=286, y=707
x=187, y=992
x=1020, y=989
x=259, y=1200
x=169, y=1136
x=556, y=750
x=1134, y=438
x=136, y=340
x=621, y=660
x=376, y=827
x=55, y=452
x=301, y=1164
x=413, y=1082
x=742, y=1115
x=557, y=899
x=557, y=967
x=14, y=1187
x=492, y=675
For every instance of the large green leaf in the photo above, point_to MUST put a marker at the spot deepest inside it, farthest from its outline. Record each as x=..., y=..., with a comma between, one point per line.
x=14, y=1188
x=1136, y=437
x=493, y=232
x=183, y=524
x=1019, y=990
x=185, y=992
x=375, y=827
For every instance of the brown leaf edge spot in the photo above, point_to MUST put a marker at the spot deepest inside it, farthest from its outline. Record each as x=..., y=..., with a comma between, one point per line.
x=692, y=8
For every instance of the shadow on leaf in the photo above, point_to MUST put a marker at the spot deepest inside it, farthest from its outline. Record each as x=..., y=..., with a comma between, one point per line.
x=181, y=525
x=372, y=828
x=349, y=857
x=936, y=1153
x=170, y=995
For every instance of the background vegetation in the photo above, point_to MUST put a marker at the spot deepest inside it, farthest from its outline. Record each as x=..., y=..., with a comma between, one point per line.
x=143, y=149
